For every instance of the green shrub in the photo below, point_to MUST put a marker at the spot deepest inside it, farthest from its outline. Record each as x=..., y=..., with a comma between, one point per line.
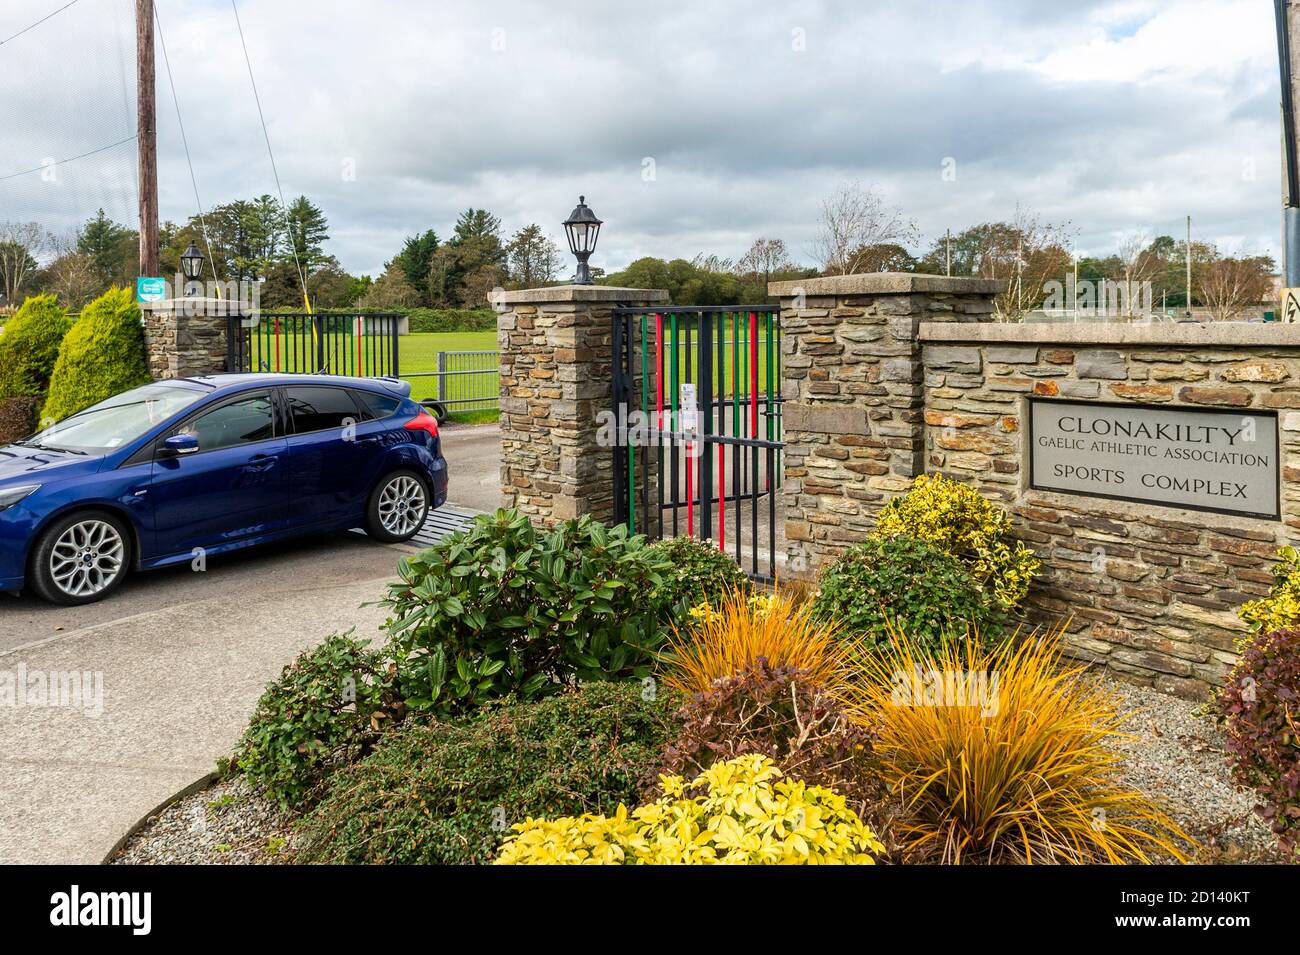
x=327, y=707
x=700, y=573
x=452, y=320
x=962, y=522
x=1260, y=708
x=505, y=608
x=30, y=345
x=909, y=584
x=103, y=355
x=447, y=793
x=1280, y=609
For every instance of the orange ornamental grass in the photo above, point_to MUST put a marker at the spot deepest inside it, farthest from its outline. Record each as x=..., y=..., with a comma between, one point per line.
x=723, y=641
x=1001, y=756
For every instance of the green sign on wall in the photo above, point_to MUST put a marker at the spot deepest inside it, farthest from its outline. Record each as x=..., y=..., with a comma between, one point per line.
x=150, y=289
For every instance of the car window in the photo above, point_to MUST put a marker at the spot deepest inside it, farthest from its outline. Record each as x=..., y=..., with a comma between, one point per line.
x=376, y=405
x=316, y=409
x=239, y=422
x=117, y=421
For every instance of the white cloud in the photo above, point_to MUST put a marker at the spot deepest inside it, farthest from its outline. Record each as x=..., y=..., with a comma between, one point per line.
x=1112, y=115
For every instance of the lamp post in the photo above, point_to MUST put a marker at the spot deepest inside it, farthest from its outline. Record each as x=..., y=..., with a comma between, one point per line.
x=582, y=227
x=192, y=267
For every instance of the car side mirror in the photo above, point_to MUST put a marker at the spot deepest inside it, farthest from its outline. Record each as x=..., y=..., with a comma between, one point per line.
x=180, y=444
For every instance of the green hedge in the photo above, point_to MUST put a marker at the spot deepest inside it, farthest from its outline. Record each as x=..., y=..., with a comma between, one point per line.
x=103, y=355
x=30, y=346
x=447, y=792
x=453, y=320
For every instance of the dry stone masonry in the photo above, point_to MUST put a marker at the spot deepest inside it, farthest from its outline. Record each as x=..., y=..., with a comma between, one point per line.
x=555, y=380
x=853, y=412
x=186, y=337
x=889, y=376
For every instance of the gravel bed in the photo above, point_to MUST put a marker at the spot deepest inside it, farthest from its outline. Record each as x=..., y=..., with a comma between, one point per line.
x=225, y=824
x=1176, y=755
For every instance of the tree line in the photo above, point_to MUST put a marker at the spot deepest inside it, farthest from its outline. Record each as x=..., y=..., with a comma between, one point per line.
x=283, y=249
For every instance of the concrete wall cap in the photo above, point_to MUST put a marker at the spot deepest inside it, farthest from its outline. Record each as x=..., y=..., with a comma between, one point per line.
x=584, y=293
x=1192, y=334
x=884, y=283
x=195, y=305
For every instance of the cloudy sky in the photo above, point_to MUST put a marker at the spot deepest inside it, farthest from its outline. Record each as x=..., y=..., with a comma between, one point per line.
x=690, y=126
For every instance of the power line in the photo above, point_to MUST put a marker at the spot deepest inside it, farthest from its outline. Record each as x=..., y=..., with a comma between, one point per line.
x=203, y=225
x=43, y=166
x=293, y=246
x=39, y=22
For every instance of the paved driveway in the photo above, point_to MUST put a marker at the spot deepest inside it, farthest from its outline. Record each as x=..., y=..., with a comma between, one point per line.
x=170, y=668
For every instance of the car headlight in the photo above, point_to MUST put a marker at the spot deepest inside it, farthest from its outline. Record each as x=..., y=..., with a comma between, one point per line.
x=10, y=496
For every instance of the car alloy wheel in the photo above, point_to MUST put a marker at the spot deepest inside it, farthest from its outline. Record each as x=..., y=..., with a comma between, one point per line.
x=402, y=505
x=87, y=558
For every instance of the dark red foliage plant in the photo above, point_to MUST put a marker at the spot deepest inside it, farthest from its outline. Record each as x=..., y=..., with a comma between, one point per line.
x=776, y=712
x=1260, y=712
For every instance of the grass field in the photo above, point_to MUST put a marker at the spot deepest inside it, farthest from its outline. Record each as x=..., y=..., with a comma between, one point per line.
x=419, y=353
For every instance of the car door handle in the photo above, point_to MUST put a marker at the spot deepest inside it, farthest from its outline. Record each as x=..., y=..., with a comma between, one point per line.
x=261, y=462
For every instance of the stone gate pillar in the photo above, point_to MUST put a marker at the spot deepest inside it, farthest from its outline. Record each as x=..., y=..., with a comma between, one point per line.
x=186, y=336
x=853, y=415
x=556, y=377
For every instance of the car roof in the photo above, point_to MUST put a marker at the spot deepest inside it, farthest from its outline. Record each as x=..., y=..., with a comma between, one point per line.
x=238, y=382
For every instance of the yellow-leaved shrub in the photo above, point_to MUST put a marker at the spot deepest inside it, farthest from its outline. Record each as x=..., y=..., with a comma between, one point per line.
x=1280, y=610
x=960, y=521
x=747, y=814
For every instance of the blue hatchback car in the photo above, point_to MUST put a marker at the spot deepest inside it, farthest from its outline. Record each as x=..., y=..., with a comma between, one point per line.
x=197, y=466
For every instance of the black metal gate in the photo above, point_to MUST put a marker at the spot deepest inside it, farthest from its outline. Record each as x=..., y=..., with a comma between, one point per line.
x=697, y=414
x=321, y=343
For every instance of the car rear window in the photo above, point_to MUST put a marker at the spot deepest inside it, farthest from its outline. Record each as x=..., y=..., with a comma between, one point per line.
x=376, y=405
x=320, y=408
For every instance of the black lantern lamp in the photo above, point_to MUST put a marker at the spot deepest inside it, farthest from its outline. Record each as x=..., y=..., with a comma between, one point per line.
x=192, y=267
x=582, y=227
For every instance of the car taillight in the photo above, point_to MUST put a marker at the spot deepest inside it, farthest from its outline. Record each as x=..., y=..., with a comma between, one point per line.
x=423, y=422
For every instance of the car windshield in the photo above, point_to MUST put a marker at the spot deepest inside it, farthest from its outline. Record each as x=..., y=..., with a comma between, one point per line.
x=117, y=421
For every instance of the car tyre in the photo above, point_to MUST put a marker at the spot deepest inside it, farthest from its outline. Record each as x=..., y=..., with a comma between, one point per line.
x=398, y=507
x=80, y=558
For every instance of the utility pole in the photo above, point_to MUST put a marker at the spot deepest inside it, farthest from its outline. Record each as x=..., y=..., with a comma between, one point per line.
x=1189, y=266
x=1288, y=53
x=948, y=253
x=146, y=137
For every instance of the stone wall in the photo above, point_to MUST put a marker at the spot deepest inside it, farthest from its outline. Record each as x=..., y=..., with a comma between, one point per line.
x=889, y=376
x=1152, y=590
x=853, y=416
x=186, y=336
x=556, y=355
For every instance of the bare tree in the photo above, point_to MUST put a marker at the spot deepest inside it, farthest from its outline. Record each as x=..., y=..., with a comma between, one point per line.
x=73, y=276
x=1023, y=254
x=764, y=257
x=21, y=244
x=1230, y=286
x=1139, y=263
x=855, y=218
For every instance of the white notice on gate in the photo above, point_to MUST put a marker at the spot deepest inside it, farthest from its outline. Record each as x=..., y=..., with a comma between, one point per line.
x=690, y=414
